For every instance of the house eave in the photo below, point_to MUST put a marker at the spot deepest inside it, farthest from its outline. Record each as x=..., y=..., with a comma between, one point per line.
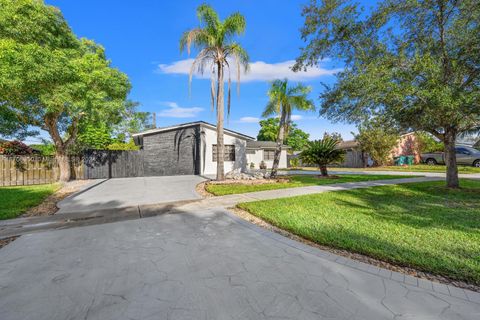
x=192, y=124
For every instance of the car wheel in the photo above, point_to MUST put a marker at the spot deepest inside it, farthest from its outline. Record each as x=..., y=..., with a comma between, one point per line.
x=431, y=162
x=476, y=163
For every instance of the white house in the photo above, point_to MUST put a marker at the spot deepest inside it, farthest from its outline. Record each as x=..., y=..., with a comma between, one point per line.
x=190, y=148
x=258, y=151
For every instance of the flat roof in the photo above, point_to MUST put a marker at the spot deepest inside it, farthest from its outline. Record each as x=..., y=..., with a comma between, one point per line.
x=191, y=124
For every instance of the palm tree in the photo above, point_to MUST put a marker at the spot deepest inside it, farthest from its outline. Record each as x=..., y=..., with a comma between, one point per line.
x=217, y=53
x=282, y=100
x=322, y=153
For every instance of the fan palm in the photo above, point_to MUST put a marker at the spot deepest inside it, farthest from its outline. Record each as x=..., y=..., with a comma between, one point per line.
x=217, y=53
x=322, y=153
x=282, y=100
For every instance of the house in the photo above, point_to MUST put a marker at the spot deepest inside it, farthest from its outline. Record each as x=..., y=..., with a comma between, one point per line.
x=354, y=158
x=264, y=151
x=406, y=146
x=190, y=148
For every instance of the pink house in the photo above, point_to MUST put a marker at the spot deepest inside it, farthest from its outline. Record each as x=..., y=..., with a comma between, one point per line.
x=407, y=146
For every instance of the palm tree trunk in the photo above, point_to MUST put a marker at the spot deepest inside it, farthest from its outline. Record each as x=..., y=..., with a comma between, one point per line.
x=220, y=119
x=278, y=150
x=451, y=159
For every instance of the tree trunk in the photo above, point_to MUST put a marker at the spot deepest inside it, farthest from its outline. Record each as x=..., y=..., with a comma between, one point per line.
x=64, y=165
x=451, y=159
x=323, y=171
x=61, y=146
x=278, y=150
x=220, y=118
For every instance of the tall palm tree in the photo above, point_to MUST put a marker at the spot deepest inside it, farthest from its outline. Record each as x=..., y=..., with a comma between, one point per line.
x=282, y=100
x=214, y=39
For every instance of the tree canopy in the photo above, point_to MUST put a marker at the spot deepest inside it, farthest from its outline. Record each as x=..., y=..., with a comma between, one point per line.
x=296, y=138
x=415, y=62
x=377, y=139
x=52, y=80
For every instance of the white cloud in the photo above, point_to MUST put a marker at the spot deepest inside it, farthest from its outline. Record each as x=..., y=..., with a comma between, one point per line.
x=175, y=111
x=296, y=117
x=249, y=120
x=259, y=71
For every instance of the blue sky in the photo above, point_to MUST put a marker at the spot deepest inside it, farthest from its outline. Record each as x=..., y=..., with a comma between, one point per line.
x=141, y=38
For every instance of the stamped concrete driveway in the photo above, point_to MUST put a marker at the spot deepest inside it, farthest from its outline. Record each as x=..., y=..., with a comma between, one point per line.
x=126, y=192
x=204, y=265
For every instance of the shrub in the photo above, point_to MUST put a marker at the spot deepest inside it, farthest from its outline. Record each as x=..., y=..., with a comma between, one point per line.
x=322, y=153
x=377, y=139
x=294, y=162
x=427, y=144
x=123, y=146
x=46, y=149
x=15, y=148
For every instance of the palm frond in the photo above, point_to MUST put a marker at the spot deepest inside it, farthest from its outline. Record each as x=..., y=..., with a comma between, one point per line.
x=241, y=59
x=271, y=108
x=229, y=94
x=196, y=37
x=322, y=152
x=201, y=60
x=234, y=25
x=209, y=19
x=212, y=87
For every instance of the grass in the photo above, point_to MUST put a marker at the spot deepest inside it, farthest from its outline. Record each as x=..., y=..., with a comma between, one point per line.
x=17, y=200
x=295, y=181
x=413, y=168
x=420, y=225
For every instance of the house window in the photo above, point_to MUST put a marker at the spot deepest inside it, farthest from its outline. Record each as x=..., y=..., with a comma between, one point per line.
x=268, y=154
x=229, y=154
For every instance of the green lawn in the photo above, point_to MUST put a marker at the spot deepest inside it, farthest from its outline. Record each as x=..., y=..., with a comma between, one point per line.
x=421, y=225
x=16, y=200
x=413, y=168
x=295, y=181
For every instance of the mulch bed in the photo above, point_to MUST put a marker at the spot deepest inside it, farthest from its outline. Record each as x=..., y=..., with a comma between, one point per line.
x=355, y=256
x=200, y=189
x=49, y=205
x=5, y=241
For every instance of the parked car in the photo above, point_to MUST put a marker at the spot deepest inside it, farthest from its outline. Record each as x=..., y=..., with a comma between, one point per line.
x=465, y=155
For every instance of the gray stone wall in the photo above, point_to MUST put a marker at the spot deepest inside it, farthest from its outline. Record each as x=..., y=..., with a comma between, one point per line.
x=173, y=152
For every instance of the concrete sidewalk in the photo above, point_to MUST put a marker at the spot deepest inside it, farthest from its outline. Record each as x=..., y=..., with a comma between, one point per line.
x=393, y=173
x=75, y=219
x=229, y=201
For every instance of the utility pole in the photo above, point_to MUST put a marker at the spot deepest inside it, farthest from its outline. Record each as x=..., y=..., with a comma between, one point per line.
x=154, y=120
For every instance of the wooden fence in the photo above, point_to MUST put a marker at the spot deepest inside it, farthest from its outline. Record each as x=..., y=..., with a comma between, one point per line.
x=30, y=170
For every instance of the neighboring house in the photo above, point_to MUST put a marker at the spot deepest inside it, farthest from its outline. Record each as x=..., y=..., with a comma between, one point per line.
x=353, y=154
x=258, y=151
x=190, y=148
x=406, y=146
